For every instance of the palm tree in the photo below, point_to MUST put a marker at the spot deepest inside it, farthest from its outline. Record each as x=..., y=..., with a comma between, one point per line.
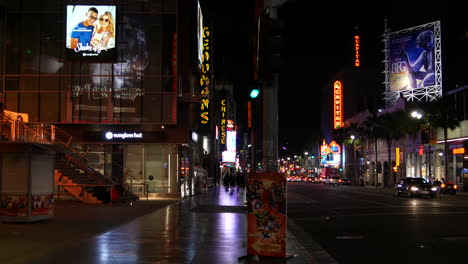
x=442, y=114
x=342, y=136
x=397, y=124
x=373, y=129
x=339, y=135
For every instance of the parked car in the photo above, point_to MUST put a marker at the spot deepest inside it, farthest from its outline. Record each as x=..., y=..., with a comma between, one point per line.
x=345, y=181
x=446, y=187
x=412, y=187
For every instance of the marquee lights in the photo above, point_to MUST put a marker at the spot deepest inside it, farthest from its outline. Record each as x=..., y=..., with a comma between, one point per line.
x=205, y=77
x=458, y=151
x=337, y=105
x=357, y=61
x=222, y=139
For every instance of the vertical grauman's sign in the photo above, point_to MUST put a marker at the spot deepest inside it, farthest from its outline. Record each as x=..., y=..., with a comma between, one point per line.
x=223, y=123
x=337, y=105
x=357, y=58
x=205, y=78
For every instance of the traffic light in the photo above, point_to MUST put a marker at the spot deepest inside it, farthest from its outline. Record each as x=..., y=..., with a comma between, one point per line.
x=254, y=93
x=275, y=44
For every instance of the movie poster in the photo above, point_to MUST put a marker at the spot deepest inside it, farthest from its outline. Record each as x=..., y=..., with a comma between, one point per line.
x=91, y=32
x=266, y=228
x=412, y=60
x=13, y=205
x=42, y=204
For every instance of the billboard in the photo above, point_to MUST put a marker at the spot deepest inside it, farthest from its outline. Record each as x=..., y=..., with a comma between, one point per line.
x=412, y=60
x=230, y=154
x=199, y=34
x=266, y=217
x=91, y=32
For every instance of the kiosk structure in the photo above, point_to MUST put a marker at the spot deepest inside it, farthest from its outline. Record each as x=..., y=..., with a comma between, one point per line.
x=26, y=182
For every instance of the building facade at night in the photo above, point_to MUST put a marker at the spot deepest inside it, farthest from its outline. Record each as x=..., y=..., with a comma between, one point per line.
x=130, y=109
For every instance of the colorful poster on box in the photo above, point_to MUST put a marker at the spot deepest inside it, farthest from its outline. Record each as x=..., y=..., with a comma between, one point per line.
x=266, y=228
x=42, y=205
x=14, y=205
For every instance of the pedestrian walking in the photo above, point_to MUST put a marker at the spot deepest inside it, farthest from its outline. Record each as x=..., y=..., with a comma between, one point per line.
x=226, y=180
x=232, y=183
x=240, y=181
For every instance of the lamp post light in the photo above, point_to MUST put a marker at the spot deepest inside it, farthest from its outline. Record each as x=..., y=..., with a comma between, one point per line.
x=418, y=115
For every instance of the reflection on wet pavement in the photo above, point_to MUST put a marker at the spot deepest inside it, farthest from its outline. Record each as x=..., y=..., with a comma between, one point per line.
x=208, y=228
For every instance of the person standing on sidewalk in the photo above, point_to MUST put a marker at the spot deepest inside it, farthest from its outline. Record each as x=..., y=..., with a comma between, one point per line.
x=240, y=181
x=226, y=180
x=232, y=182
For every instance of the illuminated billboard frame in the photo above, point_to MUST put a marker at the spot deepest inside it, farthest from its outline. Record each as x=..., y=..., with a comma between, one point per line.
x=230, y=154
x=91, y=32
x=199, y=34
x=409, y=54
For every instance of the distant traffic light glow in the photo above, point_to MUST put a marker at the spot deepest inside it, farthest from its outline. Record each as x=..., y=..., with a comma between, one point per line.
x=254, y=93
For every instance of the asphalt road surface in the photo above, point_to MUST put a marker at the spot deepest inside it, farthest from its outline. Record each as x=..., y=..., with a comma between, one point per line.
x=368, y=225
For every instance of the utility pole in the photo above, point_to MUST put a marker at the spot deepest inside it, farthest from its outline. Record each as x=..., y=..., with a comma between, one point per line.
x=270, y=103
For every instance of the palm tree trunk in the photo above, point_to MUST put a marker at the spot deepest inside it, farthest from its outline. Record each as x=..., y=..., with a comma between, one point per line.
x=389, y=171
x=446, y=156
x=375, y=167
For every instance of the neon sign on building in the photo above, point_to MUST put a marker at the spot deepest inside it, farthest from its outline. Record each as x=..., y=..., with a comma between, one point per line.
x=337, y=105
x=205, y=77
x=357, y=61
x=222, y=126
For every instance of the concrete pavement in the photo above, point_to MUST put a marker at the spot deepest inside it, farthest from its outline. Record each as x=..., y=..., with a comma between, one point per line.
x=206, y=228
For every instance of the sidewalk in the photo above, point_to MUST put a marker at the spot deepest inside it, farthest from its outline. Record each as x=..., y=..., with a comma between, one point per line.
x=207, y=228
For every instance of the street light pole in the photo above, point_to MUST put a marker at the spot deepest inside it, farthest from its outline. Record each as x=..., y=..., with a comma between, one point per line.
x=417, y=115
x=353, y=174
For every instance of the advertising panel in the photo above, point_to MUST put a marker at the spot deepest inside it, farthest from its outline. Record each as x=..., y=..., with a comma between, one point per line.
x=199, y=33
x=91, y=32
x=42, y=205
x=412, y=59
x=13, y=205
x=230, y=154
x=266, y=227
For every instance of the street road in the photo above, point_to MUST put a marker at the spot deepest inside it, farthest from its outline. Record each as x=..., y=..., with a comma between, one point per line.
x=368, y=225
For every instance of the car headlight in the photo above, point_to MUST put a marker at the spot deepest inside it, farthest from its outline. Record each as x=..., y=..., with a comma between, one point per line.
x=434, y=189
x=414, y=188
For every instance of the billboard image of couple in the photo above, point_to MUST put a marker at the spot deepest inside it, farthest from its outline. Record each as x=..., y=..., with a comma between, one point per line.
x=91, y=31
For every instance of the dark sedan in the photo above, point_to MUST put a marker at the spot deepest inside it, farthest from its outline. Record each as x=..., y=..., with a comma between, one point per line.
x=446, y=187
x=345, y=181
x=412, y=187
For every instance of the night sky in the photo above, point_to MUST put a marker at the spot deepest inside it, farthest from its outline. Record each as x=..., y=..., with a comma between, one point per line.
x=319, y=42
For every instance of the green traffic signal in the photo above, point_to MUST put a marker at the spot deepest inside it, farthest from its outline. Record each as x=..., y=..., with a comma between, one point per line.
x=254, y=93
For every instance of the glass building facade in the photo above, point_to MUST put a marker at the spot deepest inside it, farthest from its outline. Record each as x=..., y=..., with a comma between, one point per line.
x=132, y=89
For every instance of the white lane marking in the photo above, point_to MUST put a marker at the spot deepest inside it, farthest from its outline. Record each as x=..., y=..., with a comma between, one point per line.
x=349, y=237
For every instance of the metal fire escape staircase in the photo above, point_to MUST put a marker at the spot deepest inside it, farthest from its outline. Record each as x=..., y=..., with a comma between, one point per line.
x=73, y=171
